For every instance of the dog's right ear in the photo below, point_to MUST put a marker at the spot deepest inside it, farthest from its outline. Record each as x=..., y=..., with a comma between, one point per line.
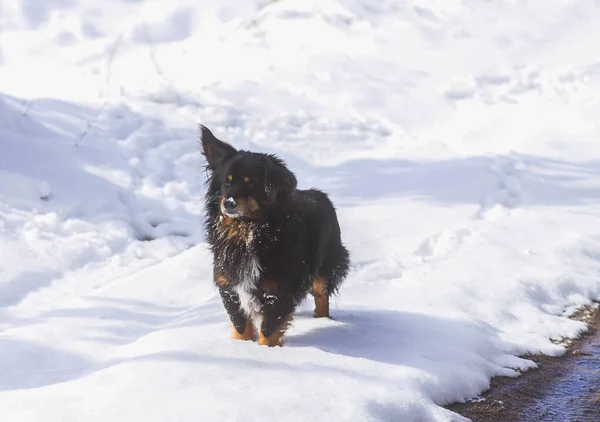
x=215, y=151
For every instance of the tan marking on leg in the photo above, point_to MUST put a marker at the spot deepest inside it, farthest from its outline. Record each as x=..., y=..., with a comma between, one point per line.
x=248, y=334
x=275, y=339
x=319, y=291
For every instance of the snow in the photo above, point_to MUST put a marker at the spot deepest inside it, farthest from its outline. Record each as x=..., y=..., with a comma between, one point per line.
x=458, y=139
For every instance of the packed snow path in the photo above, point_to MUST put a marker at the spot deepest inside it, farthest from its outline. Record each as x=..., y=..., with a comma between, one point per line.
x=458, y=139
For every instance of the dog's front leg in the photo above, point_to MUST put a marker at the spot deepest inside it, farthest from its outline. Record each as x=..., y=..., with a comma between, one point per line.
x=243, y=328
x=277, y=311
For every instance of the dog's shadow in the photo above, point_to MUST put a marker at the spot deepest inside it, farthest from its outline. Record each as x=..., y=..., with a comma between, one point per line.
x=399, y=338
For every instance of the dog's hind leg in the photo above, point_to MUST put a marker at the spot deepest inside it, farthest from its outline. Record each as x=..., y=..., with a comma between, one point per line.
x=321, y=295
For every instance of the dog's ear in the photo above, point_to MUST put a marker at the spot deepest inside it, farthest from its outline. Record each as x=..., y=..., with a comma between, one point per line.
x=215, y=151
x=281, y=181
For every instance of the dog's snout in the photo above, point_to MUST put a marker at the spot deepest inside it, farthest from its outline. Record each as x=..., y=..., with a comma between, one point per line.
x=229, y=204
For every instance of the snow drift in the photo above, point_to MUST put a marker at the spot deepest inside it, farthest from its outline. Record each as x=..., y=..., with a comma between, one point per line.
x=459, y=141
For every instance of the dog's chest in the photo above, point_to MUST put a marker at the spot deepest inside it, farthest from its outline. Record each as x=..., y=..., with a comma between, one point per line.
x=247, y=287
x=240, y=263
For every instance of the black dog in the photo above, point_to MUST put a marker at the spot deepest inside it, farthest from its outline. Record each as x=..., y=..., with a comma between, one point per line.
x=272, y=243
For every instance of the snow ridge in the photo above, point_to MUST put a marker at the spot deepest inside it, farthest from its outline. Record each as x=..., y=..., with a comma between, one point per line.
x=458, y=141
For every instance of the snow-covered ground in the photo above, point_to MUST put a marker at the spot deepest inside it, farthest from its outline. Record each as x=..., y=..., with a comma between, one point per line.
x=460, y=140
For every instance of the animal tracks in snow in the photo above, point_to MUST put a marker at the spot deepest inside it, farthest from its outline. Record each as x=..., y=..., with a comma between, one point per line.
x=443, y=244
x=492, y=88
x=505, y=193
x=509, y=191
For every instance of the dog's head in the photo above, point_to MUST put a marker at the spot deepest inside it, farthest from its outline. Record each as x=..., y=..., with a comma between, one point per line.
x=245, y=184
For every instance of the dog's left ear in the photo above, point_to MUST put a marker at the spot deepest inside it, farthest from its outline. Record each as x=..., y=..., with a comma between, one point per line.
x=281, y=181
x=215, y=150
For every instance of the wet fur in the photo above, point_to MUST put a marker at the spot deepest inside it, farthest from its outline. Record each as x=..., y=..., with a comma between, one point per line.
x=266, y=262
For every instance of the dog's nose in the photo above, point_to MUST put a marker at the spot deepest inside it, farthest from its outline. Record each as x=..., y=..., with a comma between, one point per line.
x=229, y=204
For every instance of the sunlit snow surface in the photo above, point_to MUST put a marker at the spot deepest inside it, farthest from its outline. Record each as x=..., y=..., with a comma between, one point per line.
x=459, y=140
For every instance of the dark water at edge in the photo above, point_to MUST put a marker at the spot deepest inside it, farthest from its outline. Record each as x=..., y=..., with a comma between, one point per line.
x=574, y=397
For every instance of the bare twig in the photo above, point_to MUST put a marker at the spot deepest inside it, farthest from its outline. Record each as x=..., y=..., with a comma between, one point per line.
x=158, y=68
x=109, y=64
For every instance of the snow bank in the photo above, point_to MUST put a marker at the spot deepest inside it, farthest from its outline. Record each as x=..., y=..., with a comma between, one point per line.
x=459, y=141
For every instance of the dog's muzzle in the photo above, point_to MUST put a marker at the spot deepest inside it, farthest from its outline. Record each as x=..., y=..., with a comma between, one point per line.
x=230, y=207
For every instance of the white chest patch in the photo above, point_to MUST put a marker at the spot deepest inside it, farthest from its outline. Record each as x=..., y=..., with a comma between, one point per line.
x=248, y=302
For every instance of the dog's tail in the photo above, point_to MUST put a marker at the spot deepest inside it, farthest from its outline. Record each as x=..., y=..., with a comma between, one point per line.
x=339, y=271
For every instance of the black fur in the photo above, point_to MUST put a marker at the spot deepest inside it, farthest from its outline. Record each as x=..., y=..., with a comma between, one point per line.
x=277, y=245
